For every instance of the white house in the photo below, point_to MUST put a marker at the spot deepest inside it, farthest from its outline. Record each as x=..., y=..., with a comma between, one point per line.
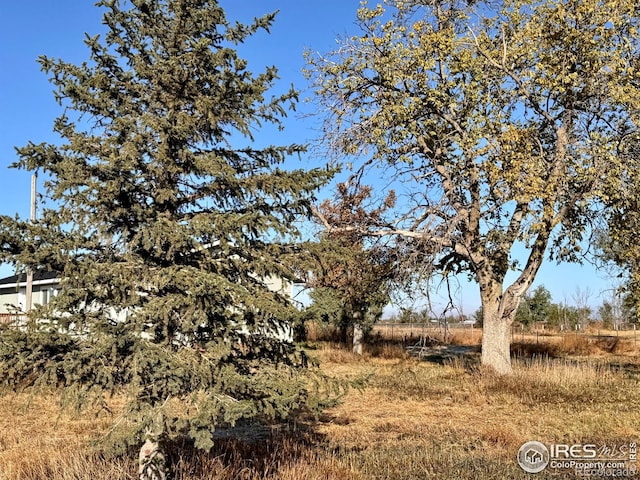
x=13, y=294
x=13, y=291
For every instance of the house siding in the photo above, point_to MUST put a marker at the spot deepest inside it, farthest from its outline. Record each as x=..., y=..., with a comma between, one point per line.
x=13, y=299
x=8, y=300
x=13, y=295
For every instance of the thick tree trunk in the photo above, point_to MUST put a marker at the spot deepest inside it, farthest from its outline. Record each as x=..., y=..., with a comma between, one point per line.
x=496, y=341
x=498, y=313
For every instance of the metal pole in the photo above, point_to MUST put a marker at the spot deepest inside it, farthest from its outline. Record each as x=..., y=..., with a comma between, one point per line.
x=29, y=292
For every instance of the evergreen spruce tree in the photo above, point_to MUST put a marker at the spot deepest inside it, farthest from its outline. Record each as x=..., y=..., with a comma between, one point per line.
x=165, y=224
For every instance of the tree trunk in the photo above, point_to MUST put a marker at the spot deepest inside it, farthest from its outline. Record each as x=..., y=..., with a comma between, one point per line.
x=152, y=464
x=344, y=334
x=498, y=313
x=358, y=335
x=496, y=341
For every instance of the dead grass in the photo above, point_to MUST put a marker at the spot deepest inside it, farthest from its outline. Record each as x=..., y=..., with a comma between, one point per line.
x=417, y=420
x=466, y=337
x=386, y=351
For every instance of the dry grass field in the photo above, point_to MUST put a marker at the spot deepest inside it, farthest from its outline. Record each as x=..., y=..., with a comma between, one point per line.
x=441, y=419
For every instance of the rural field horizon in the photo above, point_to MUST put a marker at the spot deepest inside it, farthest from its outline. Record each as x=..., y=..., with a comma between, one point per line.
x=444, y=417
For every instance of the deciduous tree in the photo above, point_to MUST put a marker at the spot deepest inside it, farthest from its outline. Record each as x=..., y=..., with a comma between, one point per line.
x=617, y=243
x=503, y=122
x=343, y=263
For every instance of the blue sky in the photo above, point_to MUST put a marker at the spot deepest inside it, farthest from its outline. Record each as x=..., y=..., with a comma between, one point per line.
x=56, y=28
